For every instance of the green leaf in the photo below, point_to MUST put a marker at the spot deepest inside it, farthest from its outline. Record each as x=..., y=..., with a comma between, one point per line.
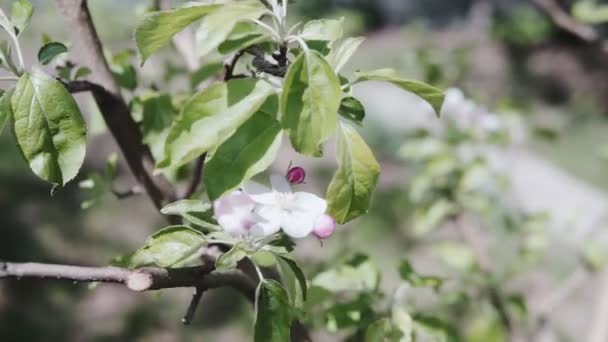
x=350, y=191
x=339, y=56
x=211, y=117
x=157, y=116
x=158, y=28
x=362, y=276
x=230, y=259
x=243, y=35
x=49, y=51
x=310, y=102
x=5, y=108
x=204, y=73
x=407, y=273
x=249, y=151
x=49, y=127
x=170, y=247
x=352, y=109
x=217, y=26
x=430, y=94
x=82, y=72
x=191, y=210
x=6, y=24
x=21, y=14
x=122, y=69
x=272, y=313
x=293, y=277
x=6, y=58
x=323, y=29
x=379, y=331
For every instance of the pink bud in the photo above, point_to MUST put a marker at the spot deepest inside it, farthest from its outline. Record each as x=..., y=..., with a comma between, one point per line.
x=296, y=175
x=324, y=227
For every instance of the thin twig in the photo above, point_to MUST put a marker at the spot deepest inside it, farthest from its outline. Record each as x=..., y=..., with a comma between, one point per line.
x=197, y=295
x=197, y=177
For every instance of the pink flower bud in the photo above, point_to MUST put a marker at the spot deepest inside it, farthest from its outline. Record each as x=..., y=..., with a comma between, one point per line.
x=296, y=175
x=324, y=227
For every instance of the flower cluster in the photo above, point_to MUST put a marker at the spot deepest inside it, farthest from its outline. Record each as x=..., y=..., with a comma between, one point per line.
x=258, y=211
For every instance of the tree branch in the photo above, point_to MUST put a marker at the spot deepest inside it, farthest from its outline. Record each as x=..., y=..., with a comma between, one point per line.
x=567, y=23
x=113, y=107
x=139, y=280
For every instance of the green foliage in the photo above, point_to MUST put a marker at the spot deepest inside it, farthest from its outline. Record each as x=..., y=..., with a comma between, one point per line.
x=5, y=108
x=157, y=29
x=249, y=151
x=220, y=23
x=171, y=247
x=211, y=117
x=323, y=30
x=294, y=279
x=42, y=108
x=49, y=51
x=310, y=103
x=408, y=274
x=229, y=260
x=21, y=14
x=350, y=192
x=272, y=313
x=340, y=55
x=428, y=93
x=193, y=211
x=352, y=109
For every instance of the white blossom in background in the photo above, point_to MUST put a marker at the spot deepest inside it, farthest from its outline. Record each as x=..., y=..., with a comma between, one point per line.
x=260, y=211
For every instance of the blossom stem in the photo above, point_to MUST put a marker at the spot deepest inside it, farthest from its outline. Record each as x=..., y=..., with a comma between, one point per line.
x=258, y=270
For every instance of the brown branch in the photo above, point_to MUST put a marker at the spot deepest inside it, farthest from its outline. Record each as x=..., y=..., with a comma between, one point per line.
x=113, y=107
x=139, y=280
x=197, y=177
x=564, y=21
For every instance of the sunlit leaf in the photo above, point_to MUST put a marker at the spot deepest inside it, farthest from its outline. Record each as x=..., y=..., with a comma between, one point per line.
x=430, y=94
x=191, y=210
x=350, y=191
x=361, y=276
x=204, y=73
x=170, y=247
x=272, y=313
x=323, y=29
x=249, y=151
x=217, y=26
x=230, y=259
x=352, y=109
x=158, y=28
x=310, y=102
x=243, y=35
x=211, y=117
x=294, y=279
x=339, y=56
x=49, y=127
x=21, y=14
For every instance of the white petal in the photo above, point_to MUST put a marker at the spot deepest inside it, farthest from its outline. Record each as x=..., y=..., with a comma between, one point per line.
x=259, y=193
x=297, y=224
x=311, y=203
x=268, y=220
x=280, y=184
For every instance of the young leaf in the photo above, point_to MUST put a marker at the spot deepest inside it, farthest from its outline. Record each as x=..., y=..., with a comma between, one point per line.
x=21, y=14
x=157, y=117
x=211, y=117
x=189, y=210
x=157, y=28
x=350, y=191
x=295, y=274
x=6, y=58
x=230, y=259
x=249, y=151
x=82, y=72
x=124, y=72
x=310, y=102
x=407, y=273
x=170, y=247
x=272, y=313
x=204, y=72
x=362, y=276
x=49, y=51
x=338, y=57
x=243, y=35
x=352, y=109
x=430, y=94
x=5, y=108
x=43, y=109
x=6, y=24
x=323, y=29
x=217, y=26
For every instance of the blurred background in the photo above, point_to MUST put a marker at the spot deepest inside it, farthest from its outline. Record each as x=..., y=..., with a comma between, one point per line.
x=507, y=191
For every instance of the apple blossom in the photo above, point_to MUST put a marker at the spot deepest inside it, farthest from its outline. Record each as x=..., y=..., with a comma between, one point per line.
x=234, y=213
x=280, y=208
x=296, y=175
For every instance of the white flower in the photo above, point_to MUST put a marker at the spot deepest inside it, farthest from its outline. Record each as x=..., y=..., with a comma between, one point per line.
x=234, y=213
x=279, y=207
